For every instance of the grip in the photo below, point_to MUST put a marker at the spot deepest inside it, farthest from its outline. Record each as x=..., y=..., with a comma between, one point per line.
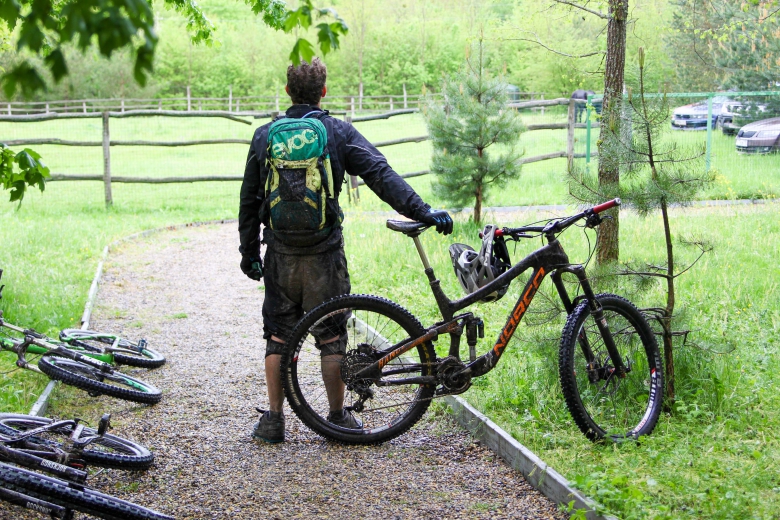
x=606, y=205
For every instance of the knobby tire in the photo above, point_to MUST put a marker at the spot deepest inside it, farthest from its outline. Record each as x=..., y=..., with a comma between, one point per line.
x=92, y=380
x=72, y=496
x=603, y=405
x=108, y=451
x=372, y=322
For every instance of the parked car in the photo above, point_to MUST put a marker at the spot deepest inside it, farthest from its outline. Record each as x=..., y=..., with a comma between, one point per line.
x=740, y=113
x=694, y=116
x=759, y=137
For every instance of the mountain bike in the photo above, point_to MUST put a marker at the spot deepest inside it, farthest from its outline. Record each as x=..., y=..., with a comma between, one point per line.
x=60, y=446
x=106, y=347
x=609, y=363
x=76, y=369
x=63, y=449
x=59, y=498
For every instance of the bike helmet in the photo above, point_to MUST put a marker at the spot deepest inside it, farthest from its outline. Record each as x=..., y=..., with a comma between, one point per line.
x=476, y=269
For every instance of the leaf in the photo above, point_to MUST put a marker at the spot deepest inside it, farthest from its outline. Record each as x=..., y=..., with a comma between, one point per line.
x=56, y=63
x=302, y=50
x=10, y=11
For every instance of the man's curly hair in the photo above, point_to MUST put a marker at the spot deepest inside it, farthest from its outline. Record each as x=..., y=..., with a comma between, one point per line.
x=305, y=82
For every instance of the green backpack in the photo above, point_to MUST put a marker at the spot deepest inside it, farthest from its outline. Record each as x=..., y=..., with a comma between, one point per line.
x=300, y=179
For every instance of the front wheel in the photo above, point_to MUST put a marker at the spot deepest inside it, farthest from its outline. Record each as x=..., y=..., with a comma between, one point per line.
x=94, y=380
x=602, y=404
x=337, y=340
x=73, y=497
x=107, y=451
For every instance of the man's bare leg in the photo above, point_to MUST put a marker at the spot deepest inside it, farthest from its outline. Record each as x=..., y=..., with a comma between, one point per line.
x=331, y=376
x=273, y=381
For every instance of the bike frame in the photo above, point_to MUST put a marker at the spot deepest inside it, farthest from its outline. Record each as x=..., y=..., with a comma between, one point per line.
x=549, y=259
x=41, y=344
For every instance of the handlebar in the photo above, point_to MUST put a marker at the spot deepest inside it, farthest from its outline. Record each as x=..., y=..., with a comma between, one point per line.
x=556, y=226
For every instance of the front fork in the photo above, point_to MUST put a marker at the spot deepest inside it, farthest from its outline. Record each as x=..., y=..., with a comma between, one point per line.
x=598, y=314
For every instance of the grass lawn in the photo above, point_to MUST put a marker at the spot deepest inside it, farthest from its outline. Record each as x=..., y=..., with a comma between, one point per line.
x=715, y=456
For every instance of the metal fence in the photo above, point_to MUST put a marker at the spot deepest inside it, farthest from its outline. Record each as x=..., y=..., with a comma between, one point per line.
x=734, y=130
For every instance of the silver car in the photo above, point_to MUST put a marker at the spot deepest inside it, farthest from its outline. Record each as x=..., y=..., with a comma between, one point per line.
x=759, y=137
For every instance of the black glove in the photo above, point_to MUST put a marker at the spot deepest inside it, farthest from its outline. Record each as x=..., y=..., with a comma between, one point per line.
x=439, y=218
x=252, y=267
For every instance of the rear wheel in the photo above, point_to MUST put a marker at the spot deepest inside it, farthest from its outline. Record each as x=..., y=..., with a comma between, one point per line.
x=130, y=353
x=108, y=451
x=94, y=380
x=602, y=404
x=387, y=404
x=72, y=496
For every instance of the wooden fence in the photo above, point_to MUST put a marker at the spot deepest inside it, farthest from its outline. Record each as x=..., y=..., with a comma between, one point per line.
x=106, y=143
x=340, y=105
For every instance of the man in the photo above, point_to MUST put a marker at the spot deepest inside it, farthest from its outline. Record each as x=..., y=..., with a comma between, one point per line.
x=304, y=262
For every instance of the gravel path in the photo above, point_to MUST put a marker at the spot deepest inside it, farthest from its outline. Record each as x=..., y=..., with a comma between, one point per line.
x=183, y=291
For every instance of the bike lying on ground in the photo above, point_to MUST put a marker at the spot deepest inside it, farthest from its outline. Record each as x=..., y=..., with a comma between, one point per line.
x=68, y=444
x=76, y=369
x=609, y=363
x=106, y=347
x=112, y=348
x=63, y=449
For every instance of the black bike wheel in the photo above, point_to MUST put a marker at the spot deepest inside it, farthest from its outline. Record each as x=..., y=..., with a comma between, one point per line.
x=108, y=451
x=72, y=496
x=93, y=380
x=131, y=354
x=602, y=404
x=366, y=324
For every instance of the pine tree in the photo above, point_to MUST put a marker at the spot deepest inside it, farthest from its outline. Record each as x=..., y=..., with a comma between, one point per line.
x=656, y=173
x=473, y=118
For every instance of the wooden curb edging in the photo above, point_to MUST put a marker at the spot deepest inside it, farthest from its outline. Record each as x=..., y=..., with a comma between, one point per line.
x=549, y=482
x=42, y=404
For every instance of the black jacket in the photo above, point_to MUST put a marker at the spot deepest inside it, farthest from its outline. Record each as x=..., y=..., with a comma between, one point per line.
x=349, y=151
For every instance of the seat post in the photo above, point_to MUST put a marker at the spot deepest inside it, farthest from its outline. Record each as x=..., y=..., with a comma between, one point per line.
x=421, y=252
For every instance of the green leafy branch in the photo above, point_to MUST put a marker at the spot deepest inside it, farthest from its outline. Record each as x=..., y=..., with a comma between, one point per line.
x=45, y=27
x=20, y=170
x=328, y=33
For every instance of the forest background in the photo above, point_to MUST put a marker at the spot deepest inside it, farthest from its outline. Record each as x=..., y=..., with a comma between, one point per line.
x=392, y=43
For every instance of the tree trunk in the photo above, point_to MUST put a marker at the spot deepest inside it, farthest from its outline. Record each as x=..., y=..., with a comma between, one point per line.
x=607, y=244
x=478, y=204
x=669, y=311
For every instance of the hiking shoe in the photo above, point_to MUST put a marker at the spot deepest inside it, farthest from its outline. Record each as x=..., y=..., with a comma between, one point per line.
x=345, y=419
x=270, y=427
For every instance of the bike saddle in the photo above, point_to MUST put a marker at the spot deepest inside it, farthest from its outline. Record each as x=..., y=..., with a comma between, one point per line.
x=409, y=228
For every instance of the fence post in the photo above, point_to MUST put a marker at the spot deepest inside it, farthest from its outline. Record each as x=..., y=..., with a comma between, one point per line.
x=391, y=103
x=230, y=98
x=587, y=131
x=107, y=160
x=123, y=105
x=542, y=98
x=238, y=104
x=351, y=107
x=360, y=97
x=708, y=154
x=84, y=106
x=189, y=101
x=9, y=109
x=570, y=134
x=405, y=105
x=47, y=108
x=159, y=104
x=353, y=182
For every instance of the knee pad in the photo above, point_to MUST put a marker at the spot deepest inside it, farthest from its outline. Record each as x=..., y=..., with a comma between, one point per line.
x=274, y=347
x=338, y=347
